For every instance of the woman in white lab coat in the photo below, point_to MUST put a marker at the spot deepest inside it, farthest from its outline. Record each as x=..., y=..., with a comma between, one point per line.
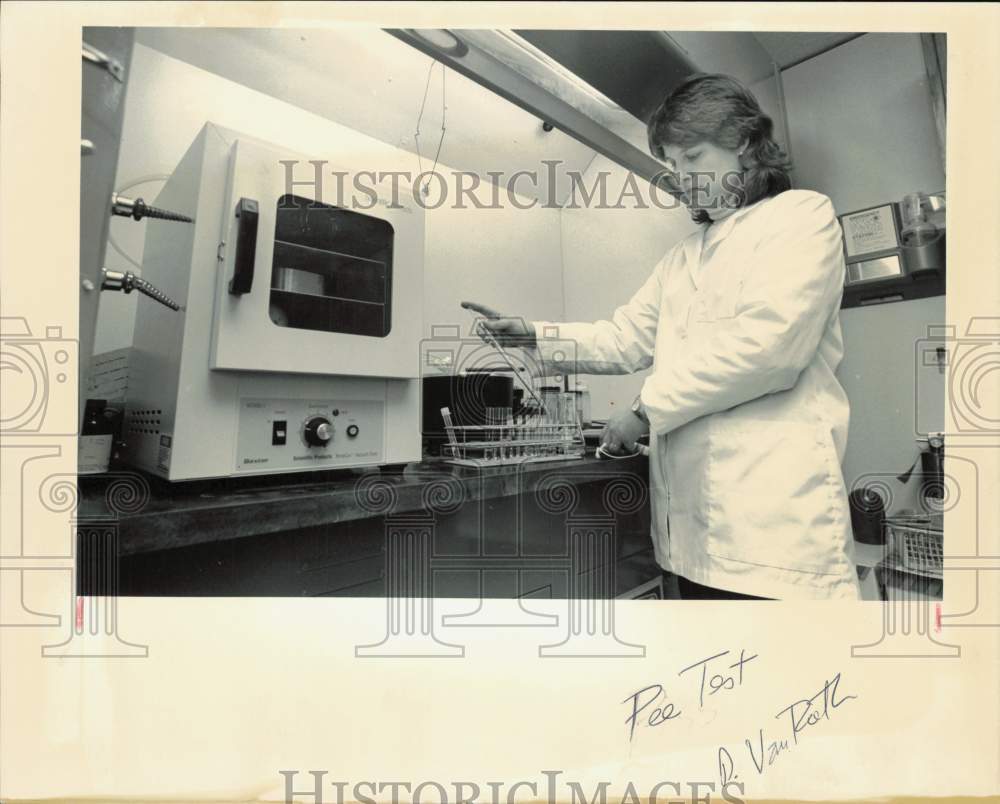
x=739, y=321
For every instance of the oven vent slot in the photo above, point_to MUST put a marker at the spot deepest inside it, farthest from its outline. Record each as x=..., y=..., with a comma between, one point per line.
x=144, y=422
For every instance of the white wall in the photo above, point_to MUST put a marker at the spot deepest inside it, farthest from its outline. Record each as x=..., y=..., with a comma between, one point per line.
x=861, y=123
x=893, y=396
x=495, y=256
x=766, y=92
x=506, y=258
x=735, y=53
x=862, y=132
x=367, y=80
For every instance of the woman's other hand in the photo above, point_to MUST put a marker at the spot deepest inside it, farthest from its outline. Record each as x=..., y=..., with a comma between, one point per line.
x=507, y=330
x=621, y=432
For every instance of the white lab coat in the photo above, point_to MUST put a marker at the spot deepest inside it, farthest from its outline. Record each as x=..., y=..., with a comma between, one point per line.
x=748, y=421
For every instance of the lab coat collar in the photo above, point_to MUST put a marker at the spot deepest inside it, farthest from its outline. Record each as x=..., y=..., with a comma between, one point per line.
x=695, y=242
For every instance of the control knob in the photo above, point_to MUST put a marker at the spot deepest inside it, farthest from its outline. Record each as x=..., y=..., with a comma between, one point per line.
x=318, y=431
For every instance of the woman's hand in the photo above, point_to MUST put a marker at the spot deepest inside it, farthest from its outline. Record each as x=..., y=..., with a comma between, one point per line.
x=508, y=330
x=622, y=431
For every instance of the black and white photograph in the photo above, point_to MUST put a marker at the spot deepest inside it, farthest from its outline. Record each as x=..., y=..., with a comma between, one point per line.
x=594, y=313
x=494, y=403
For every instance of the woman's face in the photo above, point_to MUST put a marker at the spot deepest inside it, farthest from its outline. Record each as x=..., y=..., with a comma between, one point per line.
x=708, y=174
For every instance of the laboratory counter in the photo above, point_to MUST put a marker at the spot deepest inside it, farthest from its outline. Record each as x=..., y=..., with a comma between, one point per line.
x=533, y=529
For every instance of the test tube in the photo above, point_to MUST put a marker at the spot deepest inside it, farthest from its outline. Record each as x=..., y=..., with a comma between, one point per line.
x=449, y=425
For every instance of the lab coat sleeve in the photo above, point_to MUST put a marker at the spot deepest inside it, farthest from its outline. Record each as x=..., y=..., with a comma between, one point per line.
x=621, y=345
x=792, y=284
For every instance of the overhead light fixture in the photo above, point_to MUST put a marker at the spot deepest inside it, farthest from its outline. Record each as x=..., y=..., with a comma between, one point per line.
x=552, y=66
x=441, y=39
x=515, y=70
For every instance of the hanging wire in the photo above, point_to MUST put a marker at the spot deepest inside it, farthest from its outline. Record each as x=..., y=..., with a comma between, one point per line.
x=444, y=111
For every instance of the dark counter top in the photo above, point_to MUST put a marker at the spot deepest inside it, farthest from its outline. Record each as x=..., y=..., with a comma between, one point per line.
x=152, y=514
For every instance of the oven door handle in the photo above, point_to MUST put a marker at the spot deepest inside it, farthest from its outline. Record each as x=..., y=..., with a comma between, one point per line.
x=246, y=247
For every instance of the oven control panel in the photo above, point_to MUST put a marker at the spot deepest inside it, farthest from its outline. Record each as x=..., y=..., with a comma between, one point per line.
x=290, y=434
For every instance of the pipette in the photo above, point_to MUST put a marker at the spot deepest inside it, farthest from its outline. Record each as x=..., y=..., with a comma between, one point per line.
x=492, y=341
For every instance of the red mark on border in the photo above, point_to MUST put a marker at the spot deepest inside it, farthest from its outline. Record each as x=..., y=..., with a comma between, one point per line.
x=937, y=617
x=79, y=613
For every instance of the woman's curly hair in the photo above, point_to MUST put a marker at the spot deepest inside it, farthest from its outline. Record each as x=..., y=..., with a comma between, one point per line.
x=720, y=109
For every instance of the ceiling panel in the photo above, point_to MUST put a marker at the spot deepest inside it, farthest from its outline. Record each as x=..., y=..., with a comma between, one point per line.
x=790, y=48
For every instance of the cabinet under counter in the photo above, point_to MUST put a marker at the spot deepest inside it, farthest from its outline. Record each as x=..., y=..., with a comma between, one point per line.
x=555, y=529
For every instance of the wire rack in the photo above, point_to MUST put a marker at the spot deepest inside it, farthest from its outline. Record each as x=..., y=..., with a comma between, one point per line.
x=917, y=543
x=529, y=438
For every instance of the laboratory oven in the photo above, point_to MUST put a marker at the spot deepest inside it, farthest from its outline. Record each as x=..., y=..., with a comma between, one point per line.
x=297, y=343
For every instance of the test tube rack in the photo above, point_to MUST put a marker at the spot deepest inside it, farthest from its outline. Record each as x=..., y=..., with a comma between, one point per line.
x=506, y=439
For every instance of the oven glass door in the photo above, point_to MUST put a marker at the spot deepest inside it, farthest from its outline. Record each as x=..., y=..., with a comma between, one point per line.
x=309, y=281
x=331, y=270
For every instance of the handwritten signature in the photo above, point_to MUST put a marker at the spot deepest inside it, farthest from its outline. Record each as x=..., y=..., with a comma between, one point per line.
x=802, y=714
x=650, y=706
